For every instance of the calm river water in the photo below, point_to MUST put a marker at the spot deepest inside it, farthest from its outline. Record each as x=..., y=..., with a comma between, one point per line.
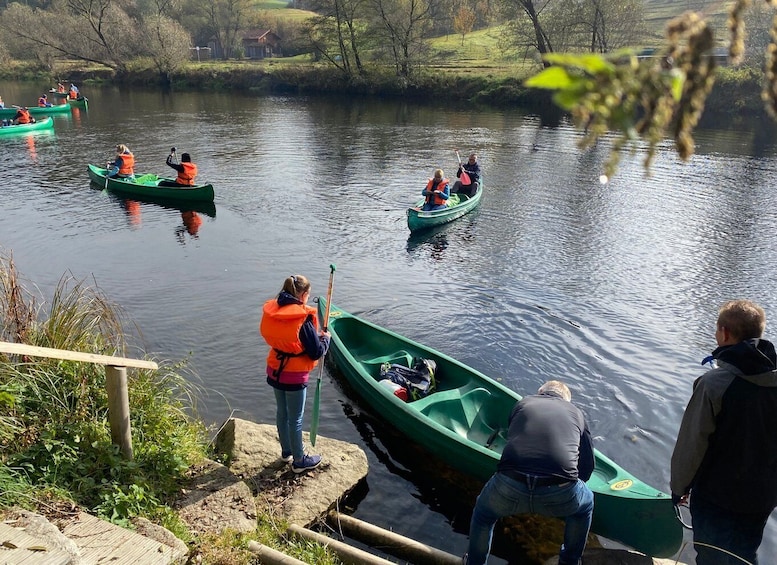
x=613, y=288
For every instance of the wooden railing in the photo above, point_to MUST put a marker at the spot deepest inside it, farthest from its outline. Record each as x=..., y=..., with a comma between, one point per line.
x=115, y=384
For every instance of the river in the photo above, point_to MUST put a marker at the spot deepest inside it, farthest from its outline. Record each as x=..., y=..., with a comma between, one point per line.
x=612, y=288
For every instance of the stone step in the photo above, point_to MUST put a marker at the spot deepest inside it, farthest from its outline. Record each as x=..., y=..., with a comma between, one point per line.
x=85, y=540
x=102, y=542
x=17, y=547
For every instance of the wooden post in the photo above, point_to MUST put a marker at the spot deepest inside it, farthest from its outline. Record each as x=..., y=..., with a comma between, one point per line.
x=347, y=553
x=270, y=556
x=118, y=408
x=391, y=542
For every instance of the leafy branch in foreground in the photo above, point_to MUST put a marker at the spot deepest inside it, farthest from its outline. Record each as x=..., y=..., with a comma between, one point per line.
x=640, y=99
x=647, y=100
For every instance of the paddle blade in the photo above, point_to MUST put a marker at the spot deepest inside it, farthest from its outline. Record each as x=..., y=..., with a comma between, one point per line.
x=464, y=177
x=316, y=408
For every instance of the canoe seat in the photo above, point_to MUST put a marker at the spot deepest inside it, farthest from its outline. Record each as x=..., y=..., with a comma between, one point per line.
x=456, y=411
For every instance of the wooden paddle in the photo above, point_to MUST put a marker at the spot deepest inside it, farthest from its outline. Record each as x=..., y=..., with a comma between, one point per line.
x=463, y=177
x=317, y=400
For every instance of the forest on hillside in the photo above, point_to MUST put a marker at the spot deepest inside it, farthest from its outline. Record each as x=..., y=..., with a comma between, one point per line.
x=350, y=35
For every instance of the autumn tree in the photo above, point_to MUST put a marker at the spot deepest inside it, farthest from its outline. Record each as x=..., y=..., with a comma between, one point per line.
x=98, y=31
x=464, y=21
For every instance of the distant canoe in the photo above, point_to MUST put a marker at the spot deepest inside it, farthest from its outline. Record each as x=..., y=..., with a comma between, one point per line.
x=80, y=102
x=148, y=186
x=42, y=124
x=55, y=94
x=36, y=110
x=417, y=219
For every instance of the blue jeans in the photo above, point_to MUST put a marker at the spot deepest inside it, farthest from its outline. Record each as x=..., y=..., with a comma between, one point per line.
x=503, y=496
x=737, y=534
x=290, y=406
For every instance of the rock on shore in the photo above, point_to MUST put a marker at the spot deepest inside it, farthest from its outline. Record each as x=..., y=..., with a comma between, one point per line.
x=254, y=477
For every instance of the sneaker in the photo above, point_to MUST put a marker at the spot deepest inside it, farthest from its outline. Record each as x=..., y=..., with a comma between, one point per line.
x=307, y=463
x=287, y=458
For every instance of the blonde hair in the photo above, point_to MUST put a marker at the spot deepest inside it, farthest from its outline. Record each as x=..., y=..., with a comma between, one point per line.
x=744, y=319
x=296, y=285
x=556, y=387
x=438, y=174
x=121, y=148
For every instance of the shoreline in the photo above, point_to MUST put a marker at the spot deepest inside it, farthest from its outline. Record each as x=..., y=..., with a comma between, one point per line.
x=736, y=94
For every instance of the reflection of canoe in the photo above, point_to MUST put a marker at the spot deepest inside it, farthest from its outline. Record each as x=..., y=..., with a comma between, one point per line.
x=464, y=423
x=201, y=206
x=419, y=220
x=42, y=124
x=148, y=186
x=37, y=110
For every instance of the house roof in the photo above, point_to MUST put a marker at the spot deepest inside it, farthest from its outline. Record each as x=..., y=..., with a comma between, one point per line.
x=255, y=33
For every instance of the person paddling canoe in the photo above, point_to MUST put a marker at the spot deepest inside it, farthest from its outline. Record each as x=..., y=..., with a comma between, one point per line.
x=187, y=171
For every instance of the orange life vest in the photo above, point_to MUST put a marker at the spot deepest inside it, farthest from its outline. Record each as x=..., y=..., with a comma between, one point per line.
x=436, y=199
x=280, y=328
x=73, y=94
x=127, y=164
x=186, y=176
x=23, y=116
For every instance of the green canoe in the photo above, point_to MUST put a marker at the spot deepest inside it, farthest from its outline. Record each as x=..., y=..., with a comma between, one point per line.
x=148, y=186
x=80, y=102
x=6, y=113
x=417, y=219
x=464, y=423
x=42, y=124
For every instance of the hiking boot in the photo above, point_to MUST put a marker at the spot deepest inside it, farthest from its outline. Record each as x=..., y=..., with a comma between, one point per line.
x=307, y=463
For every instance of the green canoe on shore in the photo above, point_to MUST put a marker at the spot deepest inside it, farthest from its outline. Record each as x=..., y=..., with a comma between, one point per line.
x=6, y=113
x=42, y=124
x=148, y=186
x=418, y=220
x=464, y=423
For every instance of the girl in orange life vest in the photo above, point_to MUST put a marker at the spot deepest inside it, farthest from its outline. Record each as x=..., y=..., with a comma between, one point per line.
x=290, y=328
x=124, y=164
x=187, y=170
x=437, y=192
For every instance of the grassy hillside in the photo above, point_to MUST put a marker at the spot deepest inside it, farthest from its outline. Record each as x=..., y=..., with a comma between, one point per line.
x=658, y=12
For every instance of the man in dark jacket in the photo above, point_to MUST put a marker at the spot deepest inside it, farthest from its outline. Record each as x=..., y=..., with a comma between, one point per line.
x=548, y=457
x=472, y=168
x=726, y=450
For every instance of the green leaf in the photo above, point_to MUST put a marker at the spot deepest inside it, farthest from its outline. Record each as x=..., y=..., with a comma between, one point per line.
x=552, y=78
x=588, y=62
x=678, y=81
x=567, y=99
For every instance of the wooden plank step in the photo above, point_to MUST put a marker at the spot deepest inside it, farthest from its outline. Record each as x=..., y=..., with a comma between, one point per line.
x=101, y=542
x=15, y=549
